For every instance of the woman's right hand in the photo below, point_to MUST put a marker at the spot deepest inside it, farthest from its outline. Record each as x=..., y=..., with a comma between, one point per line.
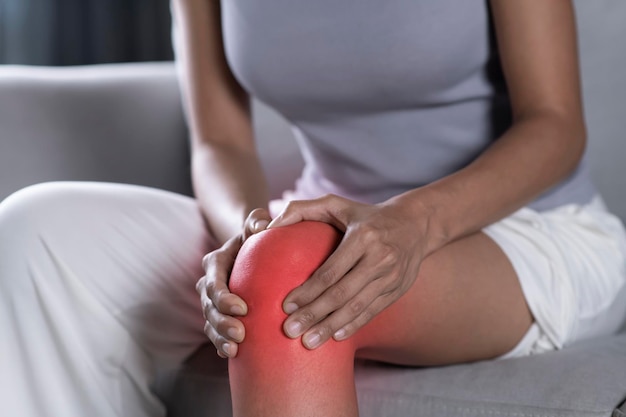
x=219, y=306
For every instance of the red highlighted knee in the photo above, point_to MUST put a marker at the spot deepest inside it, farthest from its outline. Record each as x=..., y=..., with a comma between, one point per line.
x=269, y=265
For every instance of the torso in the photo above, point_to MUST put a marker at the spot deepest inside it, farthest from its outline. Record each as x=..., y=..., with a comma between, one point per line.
x=383, y=98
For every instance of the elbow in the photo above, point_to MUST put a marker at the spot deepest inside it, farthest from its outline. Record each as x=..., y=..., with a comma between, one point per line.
x=575, y=137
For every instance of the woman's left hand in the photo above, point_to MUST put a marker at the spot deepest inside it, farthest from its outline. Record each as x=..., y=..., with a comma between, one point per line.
x=375, y=264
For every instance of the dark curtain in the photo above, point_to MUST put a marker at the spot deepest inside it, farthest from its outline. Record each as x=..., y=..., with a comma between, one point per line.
x=76, y=32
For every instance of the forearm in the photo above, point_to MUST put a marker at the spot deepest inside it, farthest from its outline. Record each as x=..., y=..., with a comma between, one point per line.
x=227, y=177
x=228, y=183
x=535, y=154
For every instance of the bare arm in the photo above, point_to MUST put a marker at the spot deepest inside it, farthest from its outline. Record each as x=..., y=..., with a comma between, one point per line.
x=537, y=43
x=227, y=177
x=379, y=258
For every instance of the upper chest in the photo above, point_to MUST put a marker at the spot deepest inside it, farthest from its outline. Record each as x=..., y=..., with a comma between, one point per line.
x=344, y=52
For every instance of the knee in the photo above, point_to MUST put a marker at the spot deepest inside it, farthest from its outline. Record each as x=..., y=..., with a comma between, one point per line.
x=26, y=212
x=270, y=265
x=27, y=217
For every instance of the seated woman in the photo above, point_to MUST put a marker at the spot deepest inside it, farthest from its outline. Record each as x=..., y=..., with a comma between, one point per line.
x=444, y=214
x=445, y=141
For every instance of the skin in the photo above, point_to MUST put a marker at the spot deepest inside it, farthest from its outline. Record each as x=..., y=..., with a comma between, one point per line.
x=422, y=252
x=316, y=382
x=273, y=375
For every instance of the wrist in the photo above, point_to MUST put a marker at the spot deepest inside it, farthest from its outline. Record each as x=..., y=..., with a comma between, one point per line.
x=423, y=209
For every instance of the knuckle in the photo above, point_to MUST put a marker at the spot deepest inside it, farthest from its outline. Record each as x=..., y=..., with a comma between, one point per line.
x=390, y=257
x=365, y=317
x=211, y=288
x=356, y=306
x=200, y=284
x=338, y=293
x=221, y=325
x=395, y=282
x=325, y=331
x=208, y=331
x=207, y=308
x=206, y=260
x=307, y=318
x=291, y=206
x=219, y=256
x=367, y=233
x=327, y=277
x=221, y=303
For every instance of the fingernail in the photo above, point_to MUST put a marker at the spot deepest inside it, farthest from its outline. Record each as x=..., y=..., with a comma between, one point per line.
x=291, y=307
x=238, y=310
x=260, y=225
x=293, y=329
x=339, y=334
x=233, y=333
x=311, y=340
x=226, y=349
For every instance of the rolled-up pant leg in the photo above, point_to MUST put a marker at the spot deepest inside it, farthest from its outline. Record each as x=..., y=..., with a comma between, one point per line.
x=96, y=289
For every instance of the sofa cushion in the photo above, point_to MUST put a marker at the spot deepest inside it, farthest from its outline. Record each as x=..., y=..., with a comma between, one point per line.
x=118, y=123
x=586, y=380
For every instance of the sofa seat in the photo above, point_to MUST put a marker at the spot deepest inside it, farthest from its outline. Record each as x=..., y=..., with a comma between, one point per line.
x=585, y=380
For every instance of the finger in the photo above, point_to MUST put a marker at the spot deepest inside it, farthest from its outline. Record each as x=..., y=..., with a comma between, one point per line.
x=207, y=305
x=371, y=311
x=218, y=265
x=329, y=209
x=346, y=321
x=334, y=298
x=347, y=255
x=227, y=253
x=227, y=348
x=226, y=326
x=226, y=302
x=201, y=285
x=257, y=221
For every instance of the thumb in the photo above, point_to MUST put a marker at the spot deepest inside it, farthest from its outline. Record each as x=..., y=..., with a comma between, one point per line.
x=323, y=209
x=256, y=222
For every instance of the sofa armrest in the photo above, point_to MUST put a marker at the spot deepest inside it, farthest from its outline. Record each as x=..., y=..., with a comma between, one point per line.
x=117, y=123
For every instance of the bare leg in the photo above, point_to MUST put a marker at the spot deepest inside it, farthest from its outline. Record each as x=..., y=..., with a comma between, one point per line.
x=273, y=375
x=466, y=305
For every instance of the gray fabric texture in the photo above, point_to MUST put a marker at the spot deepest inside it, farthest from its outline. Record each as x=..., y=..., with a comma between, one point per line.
x=588, y=380
x=119, y=123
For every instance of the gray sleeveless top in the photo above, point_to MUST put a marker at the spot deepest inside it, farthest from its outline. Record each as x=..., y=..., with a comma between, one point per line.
x=384, y=96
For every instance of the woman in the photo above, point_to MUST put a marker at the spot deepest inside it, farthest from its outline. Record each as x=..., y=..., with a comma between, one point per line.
x=471, y=228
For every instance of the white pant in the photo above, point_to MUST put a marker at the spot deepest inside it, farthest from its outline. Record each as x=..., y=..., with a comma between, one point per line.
x=96, y=289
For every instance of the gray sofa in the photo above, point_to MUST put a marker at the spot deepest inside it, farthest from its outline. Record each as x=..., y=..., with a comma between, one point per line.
x=123, y=123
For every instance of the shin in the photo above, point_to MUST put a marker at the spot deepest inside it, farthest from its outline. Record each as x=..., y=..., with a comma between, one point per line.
x=272, y=374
